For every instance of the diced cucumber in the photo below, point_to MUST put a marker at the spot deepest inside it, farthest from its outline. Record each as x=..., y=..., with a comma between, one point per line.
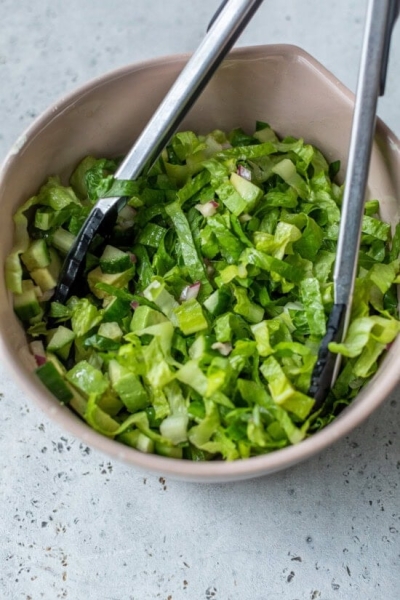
x=56, y=362
x=55, y=263
x=51, y=378
x=44, y=218
x=118, y=280
x=26, y=304
x=144, y=316
x=250, y=193
x=115, y=309
x=46, y=278
x=128, y=387
x=156, y=292
x=62, y=240
x=37, y=256
x=60, y=341
x=95, y=360
x=266, y=134
x=87, y=378
x=111, y=330
x=218, y=302
x=77, y=402
x=114, y=260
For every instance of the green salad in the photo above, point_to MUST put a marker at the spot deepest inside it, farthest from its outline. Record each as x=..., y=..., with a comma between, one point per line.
x=196, y=326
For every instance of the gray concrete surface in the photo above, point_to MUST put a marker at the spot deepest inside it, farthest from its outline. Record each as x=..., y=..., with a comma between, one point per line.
x=75, y=525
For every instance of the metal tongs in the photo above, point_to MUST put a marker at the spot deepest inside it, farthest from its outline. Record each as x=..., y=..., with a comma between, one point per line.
x=224, y=29
x=226, y=26
x=381, y=17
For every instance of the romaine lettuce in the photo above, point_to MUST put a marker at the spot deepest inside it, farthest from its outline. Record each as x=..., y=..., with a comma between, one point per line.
x=215, y=326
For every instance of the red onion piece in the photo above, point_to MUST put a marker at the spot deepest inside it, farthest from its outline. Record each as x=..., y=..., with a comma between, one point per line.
x=134, y=305
x=208, y=209
x=133, y=257
x=38, y=352
x=190, y=291
x=244, y=172
x=223, y=348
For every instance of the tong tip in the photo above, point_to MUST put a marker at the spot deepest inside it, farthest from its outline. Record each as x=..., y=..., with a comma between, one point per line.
x=324, y=370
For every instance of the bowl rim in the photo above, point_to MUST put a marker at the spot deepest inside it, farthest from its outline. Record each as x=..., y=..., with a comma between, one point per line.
x=213, y=471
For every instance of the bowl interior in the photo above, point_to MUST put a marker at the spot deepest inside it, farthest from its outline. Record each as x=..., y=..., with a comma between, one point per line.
x=279, y=84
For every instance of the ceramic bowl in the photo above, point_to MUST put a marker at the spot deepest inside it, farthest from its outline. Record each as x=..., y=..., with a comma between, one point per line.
x=279, y=84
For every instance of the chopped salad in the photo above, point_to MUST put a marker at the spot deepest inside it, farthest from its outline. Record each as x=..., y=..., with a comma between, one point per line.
x=197, y=323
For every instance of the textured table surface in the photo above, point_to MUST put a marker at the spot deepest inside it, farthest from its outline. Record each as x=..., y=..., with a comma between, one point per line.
x=74, y=524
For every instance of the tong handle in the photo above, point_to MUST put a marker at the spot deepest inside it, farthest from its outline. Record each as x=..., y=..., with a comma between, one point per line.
x=394, y=11
x=381, y=17
x=227, y=25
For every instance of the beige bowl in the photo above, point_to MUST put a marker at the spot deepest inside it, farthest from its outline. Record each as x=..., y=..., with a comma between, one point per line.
x=279, y=84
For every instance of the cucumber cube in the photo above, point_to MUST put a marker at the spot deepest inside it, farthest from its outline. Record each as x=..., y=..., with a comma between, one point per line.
x=114, y=260
x=144, y=316
x=118, y=280
x=46, y=277
x=111, y=331
x=26, y=304
x=60, y=341
x=128, y=387
x=37, y=256
x=115, y=309
x=54, y=382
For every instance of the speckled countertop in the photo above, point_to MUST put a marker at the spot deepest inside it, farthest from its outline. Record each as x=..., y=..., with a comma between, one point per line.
x=74, y=524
